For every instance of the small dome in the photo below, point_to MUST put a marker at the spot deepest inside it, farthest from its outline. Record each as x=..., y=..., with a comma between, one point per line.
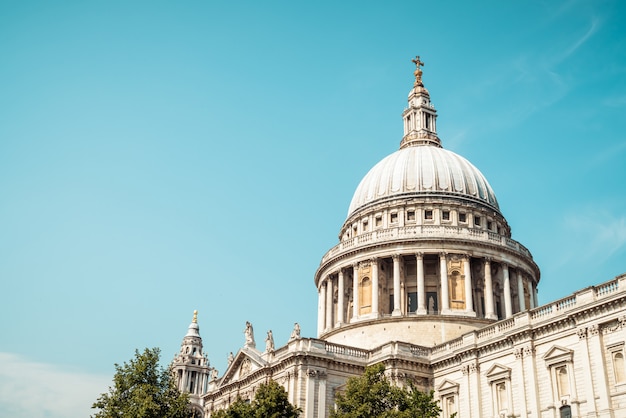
x=418, y=171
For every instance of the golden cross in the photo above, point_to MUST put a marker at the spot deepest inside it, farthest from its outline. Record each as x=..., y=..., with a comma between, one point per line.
x=418, y=63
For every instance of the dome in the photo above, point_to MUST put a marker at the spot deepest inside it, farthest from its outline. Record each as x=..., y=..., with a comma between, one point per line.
x=419, y=171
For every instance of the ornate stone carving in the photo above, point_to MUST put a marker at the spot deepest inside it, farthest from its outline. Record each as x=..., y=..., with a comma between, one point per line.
x=593, y=330
x=245, y=367
x=269, y=342
x=582, y=333
x=529, y=350
x=295, y=334
x=249, y=333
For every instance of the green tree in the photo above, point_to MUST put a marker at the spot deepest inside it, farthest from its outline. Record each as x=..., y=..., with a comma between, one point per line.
x=238, y=409
x=270, y=401
x=373, y=396
x=142, y=389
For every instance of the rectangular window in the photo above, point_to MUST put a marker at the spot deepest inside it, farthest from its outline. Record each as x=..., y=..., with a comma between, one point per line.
x=445, y=215
x=477, y=220
x=393, y=218
x=364, y=226
x=489, y=225
x=462, y=217
x=428, y=214
x=410, y=215
x=379, y=221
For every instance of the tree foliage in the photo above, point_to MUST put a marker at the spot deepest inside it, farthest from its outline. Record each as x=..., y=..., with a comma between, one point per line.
x=142, y=389
x=373, y=396
x=270, y=401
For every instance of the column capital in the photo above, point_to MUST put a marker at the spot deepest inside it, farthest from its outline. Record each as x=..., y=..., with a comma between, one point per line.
x=466, y=256
x=396, y=257
x=488, y=260
x=373, y=260
x=443, y=254
x=419, y=255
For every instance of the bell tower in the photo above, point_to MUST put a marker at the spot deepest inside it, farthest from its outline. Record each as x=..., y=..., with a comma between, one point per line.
x=191, y=367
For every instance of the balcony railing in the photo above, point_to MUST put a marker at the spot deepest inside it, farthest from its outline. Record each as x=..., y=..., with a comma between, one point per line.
x=426, y=232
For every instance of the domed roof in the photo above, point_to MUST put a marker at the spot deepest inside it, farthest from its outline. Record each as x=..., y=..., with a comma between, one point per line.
x=421, y=167
x=423, y=170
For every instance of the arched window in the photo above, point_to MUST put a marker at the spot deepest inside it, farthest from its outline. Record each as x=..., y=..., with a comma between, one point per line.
x=565, y=411
x=618, y=365
x=562, y=379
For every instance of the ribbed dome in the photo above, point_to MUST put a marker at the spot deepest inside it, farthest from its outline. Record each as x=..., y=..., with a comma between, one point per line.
x=416, y=171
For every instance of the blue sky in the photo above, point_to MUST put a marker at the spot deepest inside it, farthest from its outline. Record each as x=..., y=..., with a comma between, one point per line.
x=159, y=157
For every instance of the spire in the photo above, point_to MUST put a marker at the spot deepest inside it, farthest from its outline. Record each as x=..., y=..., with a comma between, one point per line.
x=191, y=366
x=420, y=117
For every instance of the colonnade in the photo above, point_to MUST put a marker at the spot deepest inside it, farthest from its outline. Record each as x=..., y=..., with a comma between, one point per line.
x=333, y=312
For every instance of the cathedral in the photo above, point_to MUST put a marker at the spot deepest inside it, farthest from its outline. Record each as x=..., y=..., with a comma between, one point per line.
x=427, y=280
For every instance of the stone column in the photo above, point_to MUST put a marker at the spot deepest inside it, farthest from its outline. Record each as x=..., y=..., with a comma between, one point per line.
x=508, y=308
x=329, y=303
x=291, y=392
x=520, y=291
x=536, y=296
x=421, y=287
x=489, y=307
x=321, y=406
x=531, y=294
x=396, y=286
x=469, y=288
x=355, y=291
x=583, y=349
x=321, y=314
x=309, y=408
x=596, y=352
x=375, y=309
x=445, y=294
x=341, y=315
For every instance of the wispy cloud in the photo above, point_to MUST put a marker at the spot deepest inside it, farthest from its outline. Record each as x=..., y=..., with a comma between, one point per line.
x=597, y=233
x=605, y=155
x=594, y=26
x=31, y=389
x=615, y=101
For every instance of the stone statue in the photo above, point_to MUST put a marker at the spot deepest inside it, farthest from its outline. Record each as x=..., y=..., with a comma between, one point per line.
x=269, y=342
x=249, y=333
x=214, y=374
x=295, y=334
x=231, y=358
x=431, y=305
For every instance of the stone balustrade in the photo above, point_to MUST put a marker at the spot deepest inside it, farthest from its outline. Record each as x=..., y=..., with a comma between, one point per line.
x=427, y=232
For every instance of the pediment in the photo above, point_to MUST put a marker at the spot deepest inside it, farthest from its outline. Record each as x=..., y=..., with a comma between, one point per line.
x=447, y=387
x=246, y=361
x=497, y=372
x=558, y=354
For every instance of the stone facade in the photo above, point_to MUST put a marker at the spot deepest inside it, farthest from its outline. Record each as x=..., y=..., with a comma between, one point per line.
x=427, y=280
